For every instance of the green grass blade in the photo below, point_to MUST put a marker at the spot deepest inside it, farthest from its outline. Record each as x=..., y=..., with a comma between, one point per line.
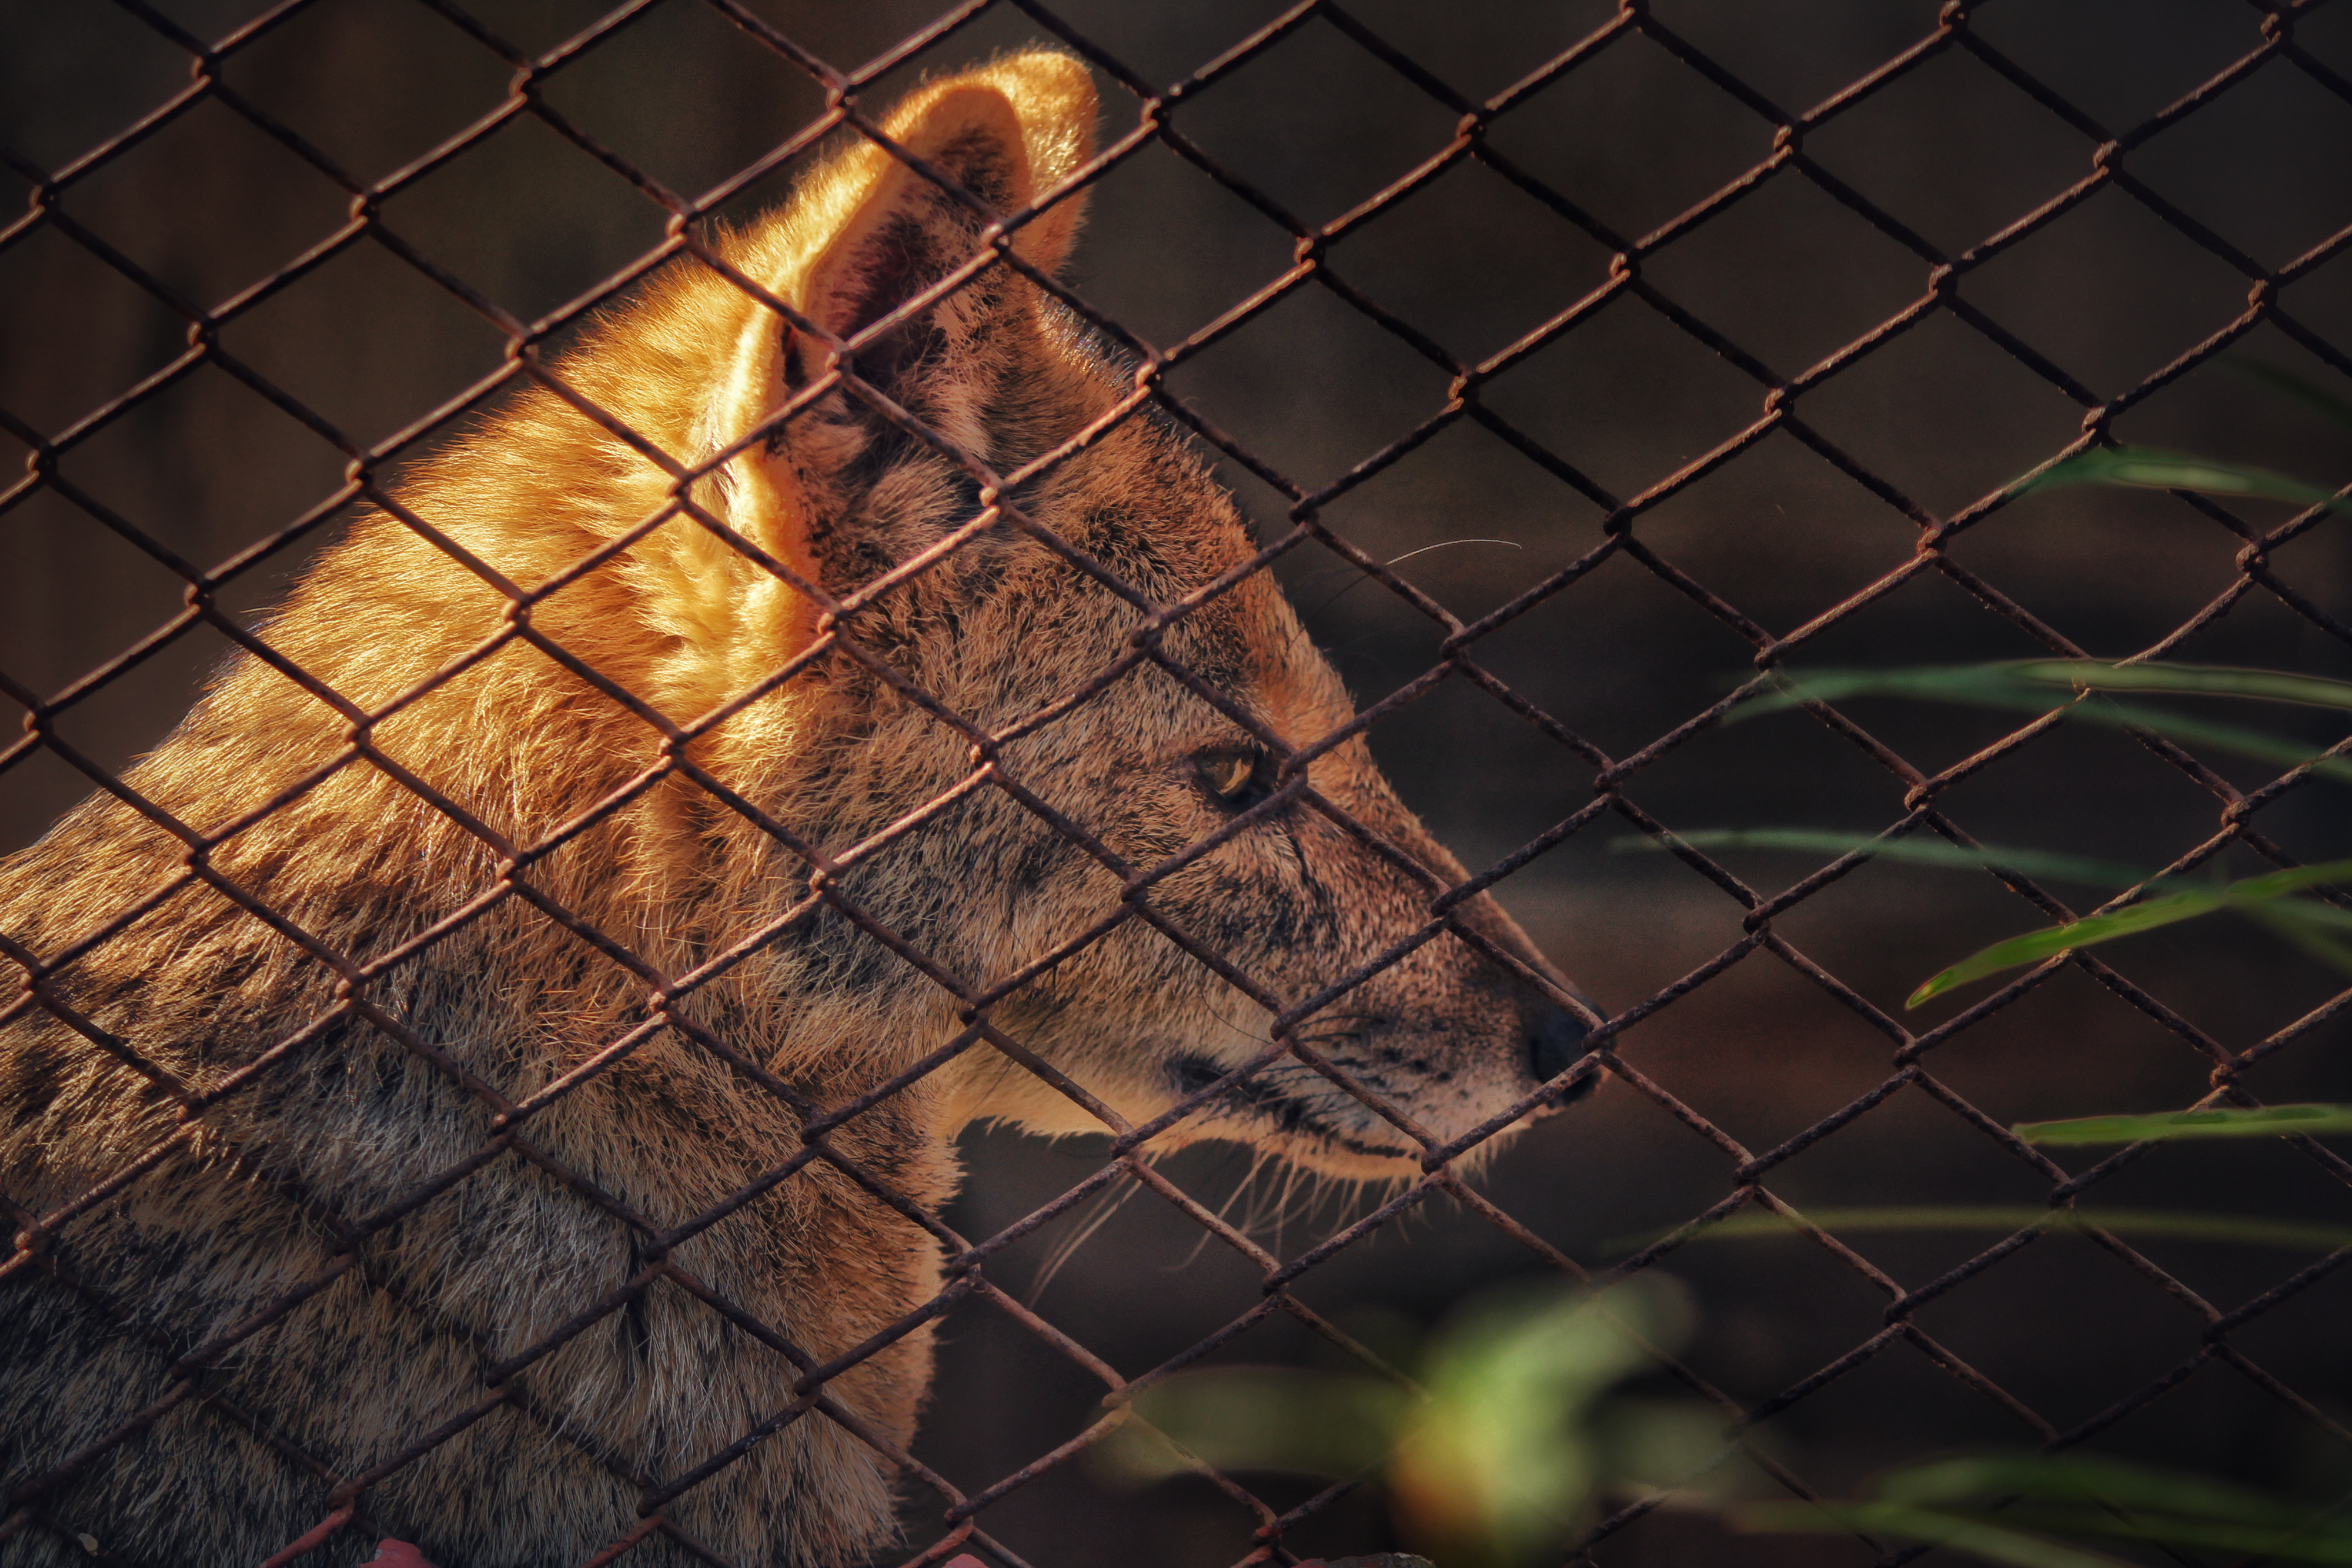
x=2303, y=392
x=2091, y=1479
x=1990, y=685
x=2022, y=1536
x=2153, y=468
x=2003, y=686
x=2230, y=737
x=2223, y=1122
x=2309, y=925
x=2187, y=680
x=2184, y=1529
x=2033, y=947
x=2268, y=1543
x=2069, y=1495
x=1291, y=1420
x=2309, y=909
x=1976, y=1537
x=2237, y=1229
x=1919, y=849
x=2277, y=884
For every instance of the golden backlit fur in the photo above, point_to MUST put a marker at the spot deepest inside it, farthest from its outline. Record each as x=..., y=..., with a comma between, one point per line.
x=255, y=1197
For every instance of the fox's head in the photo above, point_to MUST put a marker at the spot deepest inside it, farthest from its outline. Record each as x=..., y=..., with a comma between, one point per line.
x=1085, y=631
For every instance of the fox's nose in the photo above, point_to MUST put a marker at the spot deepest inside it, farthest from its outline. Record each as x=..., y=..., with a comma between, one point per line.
x=1555, y=1039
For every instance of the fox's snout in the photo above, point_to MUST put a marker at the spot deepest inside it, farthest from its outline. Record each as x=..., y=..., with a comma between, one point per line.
x=1554, y=1040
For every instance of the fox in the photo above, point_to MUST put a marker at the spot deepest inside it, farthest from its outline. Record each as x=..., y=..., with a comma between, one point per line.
x=490, y=1075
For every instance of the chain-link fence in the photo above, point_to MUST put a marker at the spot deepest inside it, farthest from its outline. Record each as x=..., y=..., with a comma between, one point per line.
x=1581, y=380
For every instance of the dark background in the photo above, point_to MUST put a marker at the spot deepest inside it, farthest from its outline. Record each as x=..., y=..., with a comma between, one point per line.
x=2110, y=293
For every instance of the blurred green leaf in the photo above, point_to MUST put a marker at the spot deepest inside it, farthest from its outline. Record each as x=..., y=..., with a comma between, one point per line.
x=2005, y=1507
x=1919, y=849
x=2244, y=1229
x=2297, y=907
x=2187, y=680
x=2087, y=1478
x=2303, y=392
x=2150, y=467
x=1488, y=1468
x=1500, y=1460
x=2035, y=947
x=2322, y=1544
x=2227, y=1121
x=1991, y=684
x=2307, y=924
x=1653, y=1445
x=2119, y=1500
x=2034, y=685
x=1288, y=1420
x=2022, y=1536
x=1976, y=1537
x=2192, y=730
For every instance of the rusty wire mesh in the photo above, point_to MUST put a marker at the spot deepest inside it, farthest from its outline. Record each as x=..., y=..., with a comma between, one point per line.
x=1152, y=116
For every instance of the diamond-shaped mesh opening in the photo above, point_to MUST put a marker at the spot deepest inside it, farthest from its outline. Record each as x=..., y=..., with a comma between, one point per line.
x=2136, y=86
x=544, y=1088
x=1959, y=152
x=341, y=359
x=311, y=73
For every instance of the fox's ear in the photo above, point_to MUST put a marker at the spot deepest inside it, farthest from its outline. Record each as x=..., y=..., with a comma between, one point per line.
x=885, y=231
x=865, y=236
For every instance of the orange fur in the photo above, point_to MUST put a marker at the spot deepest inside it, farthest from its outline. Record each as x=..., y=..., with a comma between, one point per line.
x=253, y=1201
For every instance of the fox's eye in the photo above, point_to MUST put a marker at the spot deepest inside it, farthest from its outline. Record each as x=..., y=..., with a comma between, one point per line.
x=1238, y=776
